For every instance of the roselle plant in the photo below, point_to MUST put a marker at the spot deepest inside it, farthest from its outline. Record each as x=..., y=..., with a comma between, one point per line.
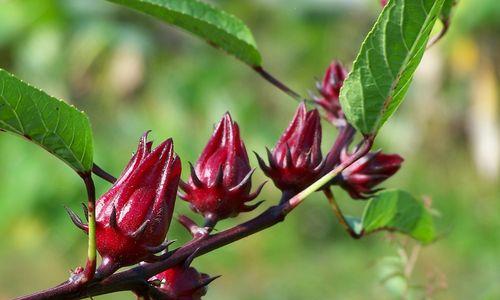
x=128, y=225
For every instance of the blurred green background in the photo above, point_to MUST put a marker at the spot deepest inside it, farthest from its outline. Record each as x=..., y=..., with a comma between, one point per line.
x=131, y=73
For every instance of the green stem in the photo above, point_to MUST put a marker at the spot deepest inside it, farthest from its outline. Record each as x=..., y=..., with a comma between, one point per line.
x=338, y=213
x=91, y=251
x=362, y=150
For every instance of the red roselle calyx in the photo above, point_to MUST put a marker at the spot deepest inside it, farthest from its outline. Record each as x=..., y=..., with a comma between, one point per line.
x=133, y=217
x=220, y=183
x=329, y=90
x=361, y=177
x=296, y=160
x=181, y=283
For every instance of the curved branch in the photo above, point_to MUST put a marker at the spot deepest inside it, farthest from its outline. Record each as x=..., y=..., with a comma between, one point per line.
x=441, y=34
x=136, y=278
x=280, y=85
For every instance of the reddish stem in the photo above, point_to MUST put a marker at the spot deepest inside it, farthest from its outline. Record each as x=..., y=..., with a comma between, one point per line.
x=103, y=174
x=136, y=278
x=441, y=34
x=280, y=85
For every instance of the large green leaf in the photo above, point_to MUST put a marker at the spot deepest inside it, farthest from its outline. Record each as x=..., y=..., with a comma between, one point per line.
x=51, y=123
x=399, y=211
x=385, y=65
x=217, y=27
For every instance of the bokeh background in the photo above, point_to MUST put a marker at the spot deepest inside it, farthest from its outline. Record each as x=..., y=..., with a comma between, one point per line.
x=131, y=73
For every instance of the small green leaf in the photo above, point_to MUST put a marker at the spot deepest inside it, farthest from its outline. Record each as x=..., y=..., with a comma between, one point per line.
x=354, y=223
x=399, y=211
x=385, y=64
x=217, y=27
x=51, y=123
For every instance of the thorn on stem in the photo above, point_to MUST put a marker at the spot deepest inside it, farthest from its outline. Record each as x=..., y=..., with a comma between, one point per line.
x=161, y=247
x=249, y=208
x=76, y=220
x=209, y=280
x=191, y=257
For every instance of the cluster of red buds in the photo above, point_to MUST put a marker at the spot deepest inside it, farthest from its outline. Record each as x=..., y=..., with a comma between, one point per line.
x=133, y=217
x=361, y=178
x=296, y=160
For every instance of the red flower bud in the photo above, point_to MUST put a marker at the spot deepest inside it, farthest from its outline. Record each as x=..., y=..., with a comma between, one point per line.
x=220, y=183
x=181, y=283
x=329, y=89
x=296, y=160
x=133, y=217
x=383, y=2
x=361, y=177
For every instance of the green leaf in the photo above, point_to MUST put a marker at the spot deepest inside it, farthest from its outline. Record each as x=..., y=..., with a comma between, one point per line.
x=397, y=210
x=56, y=126
x=385, y=64
x=217, y=27
x=354, y=223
